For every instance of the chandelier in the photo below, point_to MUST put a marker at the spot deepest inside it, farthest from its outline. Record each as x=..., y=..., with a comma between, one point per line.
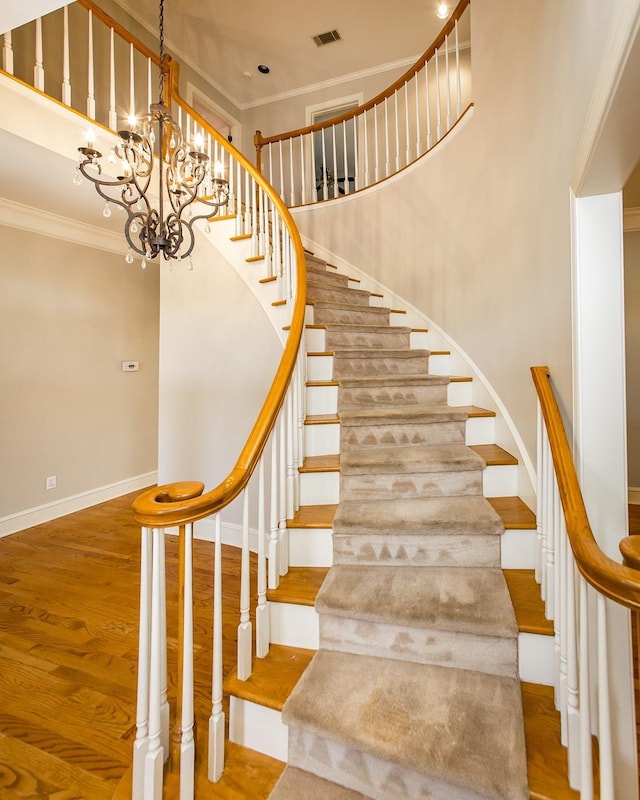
x=184, y=178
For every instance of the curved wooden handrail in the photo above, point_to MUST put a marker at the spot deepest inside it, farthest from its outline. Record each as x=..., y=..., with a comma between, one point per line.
x=122, y=32
x=182, y=503
x=616, y=581
x=260, y=141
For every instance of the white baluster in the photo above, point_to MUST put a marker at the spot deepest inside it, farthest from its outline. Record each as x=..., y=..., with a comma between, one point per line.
x=356, y=159
x=38, y=69
x=245, y=627
x=248, y=205
x=366, y=149
x=281, y=190
x=562, y=701
x=397, y=130
x=314, y=177
x=573, y=694
x=345, y=157
x=458, y=79
x=187, y=742
x=132, y=84
x=283, y=558
x=323, y=180
x=113, y=115
x=417, y=92
x=387, y=162
x=217, y=718
x=149, y=88
x=406, y=125
x=376, y=171
x=141, y=744
x=292, y=192
x=274, y=536
x=254, y=219
x=584, y=683
x=262, y=610
x=66, y=83
x=540, y=486
x=155, y=756
x=426, y=84
x=164, y=698
x=91, y=88
x=605, y=745
x=303, y=173
x=7, y=53
x=335, y=162
x=448, y=81
x=438, y=99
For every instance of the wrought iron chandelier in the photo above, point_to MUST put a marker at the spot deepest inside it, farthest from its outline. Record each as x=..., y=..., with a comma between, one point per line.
x=184, y=177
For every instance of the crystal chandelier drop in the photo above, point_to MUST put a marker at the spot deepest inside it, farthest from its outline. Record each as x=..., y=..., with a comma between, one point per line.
x=184, y=177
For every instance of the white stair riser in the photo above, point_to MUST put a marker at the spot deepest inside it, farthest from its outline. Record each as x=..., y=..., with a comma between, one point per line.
x=322, y=399
x=314, y=340
x=518, y=549
x=439, y=364
x=294, y=626
x=460, y=393
x=419, y=340
x=535, y=658
x=500, y=481
x=319, y=488
x=258, y=728
x=322, y=440
x=320, y=368
x=310, y=547
x=480, y=430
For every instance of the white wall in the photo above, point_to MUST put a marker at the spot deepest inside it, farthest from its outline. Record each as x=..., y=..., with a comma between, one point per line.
x=481, y=236
x=69, y=315
x=218, y=356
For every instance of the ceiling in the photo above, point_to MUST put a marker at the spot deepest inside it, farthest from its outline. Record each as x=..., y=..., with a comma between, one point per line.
x=225, y=41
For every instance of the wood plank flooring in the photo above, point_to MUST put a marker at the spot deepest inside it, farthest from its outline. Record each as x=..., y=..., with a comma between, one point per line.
x=68, y=650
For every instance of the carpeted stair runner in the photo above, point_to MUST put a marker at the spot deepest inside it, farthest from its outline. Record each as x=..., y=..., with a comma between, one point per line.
x=413, y=693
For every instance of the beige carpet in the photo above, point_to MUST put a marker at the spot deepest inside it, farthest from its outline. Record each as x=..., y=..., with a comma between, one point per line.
x=414, y=692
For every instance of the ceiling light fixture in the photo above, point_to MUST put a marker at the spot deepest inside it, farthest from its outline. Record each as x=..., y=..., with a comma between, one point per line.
x=184, y=177
x=443, y=11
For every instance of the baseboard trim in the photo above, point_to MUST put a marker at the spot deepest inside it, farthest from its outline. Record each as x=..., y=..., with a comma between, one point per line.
x=633, y=494
x=231, y=533
x=68, y=505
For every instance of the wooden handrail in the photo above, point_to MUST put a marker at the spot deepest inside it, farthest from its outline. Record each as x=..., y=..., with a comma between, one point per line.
x=260, y=141
x=122, y=32
x=182, y=503
x=616, y=581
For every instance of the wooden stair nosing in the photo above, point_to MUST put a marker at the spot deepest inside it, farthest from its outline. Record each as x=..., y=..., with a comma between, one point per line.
x=299, y=586
x=515, y=514
x=494, y=455
x=527, y=603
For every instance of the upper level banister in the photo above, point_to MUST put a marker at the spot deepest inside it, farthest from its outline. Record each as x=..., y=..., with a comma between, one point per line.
x=379, y=98
x=180, y=503
x=616, y=581
x=122, y=32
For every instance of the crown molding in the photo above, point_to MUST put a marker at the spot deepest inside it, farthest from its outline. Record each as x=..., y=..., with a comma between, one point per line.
x=631, y=219
x=35, y=220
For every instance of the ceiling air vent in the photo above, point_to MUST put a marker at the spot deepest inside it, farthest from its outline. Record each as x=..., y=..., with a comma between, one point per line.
x=326, y=38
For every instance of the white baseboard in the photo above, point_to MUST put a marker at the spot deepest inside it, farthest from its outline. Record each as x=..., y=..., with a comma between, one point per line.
x=230, y=533
x=68, y=505
x=633, y=493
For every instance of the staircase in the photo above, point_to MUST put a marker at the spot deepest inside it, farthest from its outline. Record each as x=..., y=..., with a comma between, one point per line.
x=414, y=690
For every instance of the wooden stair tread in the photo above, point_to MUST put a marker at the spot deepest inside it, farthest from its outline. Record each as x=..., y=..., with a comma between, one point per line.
x=493, y=454
x=476, y=411
x=273, y=677
x=247, y=774
x=546, y=757
x=515, y=514
x=460, y=378
x=321, y=419
x=313, y=517
x=527, y=603
x=327, y=463
x=323, y=383
x=300, y=586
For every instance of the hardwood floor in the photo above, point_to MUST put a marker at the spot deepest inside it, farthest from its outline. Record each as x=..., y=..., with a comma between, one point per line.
x=68, y=649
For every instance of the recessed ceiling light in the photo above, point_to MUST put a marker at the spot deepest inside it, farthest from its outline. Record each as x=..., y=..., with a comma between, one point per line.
x=264, y=69
x=443, y=11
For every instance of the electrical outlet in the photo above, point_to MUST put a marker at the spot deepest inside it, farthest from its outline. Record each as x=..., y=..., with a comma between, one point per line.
x=51, y=482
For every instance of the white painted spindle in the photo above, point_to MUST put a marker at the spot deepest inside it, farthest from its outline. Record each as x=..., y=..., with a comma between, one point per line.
x=448, y=81
x=605, y=744
x=215, y=764
x=303, y=173
x=397, y=129
x=155, y=757
x=438, y=98
x=7, y=53
x=262, y=610
x=458, y=77
x=335, y=161
x=113, y=115
x=91, y=88
x=292, y=191
x=416, y=84
x=345, y=158
x=274, y=537
x=407, y=159
x=428, y=105
x=584, y=693
x=187, y=742
x=132, y=85
x=66, y=77
x=38, y=68
x=245, y=627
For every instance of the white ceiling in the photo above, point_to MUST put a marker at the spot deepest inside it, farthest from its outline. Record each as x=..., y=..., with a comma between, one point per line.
x=222, y=41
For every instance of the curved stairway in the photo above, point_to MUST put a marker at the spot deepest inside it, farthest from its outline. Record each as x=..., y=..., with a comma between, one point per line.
x=414, y=691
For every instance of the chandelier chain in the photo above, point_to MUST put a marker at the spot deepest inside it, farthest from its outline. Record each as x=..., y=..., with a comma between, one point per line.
x=161, y=51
